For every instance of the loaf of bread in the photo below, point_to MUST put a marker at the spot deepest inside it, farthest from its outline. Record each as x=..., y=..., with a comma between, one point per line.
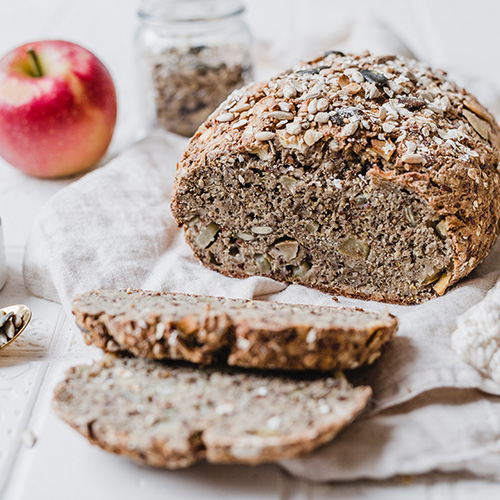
x=173, y=416
x=246, y=333
x=371, y=177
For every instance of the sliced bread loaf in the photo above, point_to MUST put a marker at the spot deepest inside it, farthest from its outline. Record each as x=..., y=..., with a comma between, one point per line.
x=372, y=177
x=173, y=416
x=246, y=333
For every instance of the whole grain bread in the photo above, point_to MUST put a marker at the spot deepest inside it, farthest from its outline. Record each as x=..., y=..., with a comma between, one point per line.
x=173, y=416
x=246, y=333
x=372, y=177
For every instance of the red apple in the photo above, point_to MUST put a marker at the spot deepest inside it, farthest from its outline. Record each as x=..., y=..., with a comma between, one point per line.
x=57, y=108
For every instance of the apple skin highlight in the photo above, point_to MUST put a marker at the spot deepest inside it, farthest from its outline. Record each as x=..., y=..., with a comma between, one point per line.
x=62, y=122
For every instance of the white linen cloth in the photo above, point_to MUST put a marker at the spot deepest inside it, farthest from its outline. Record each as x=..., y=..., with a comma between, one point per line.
x=113, y=229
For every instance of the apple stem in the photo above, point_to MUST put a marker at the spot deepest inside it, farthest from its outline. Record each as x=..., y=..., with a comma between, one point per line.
x=36, y=67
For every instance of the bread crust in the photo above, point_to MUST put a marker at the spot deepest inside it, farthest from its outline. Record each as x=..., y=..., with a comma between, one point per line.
x=251, y=334
x=413, y=128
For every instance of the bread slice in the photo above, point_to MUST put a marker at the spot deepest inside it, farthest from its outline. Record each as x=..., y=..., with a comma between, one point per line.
x=173, y=416
x=246, y=333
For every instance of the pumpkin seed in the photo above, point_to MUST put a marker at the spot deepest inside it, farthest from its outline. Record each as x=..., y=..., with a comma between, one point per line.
x=334, y=52
x=372, y=77
x=301, y=270
x=312, y=227
x=431, y=278
x=287, y=249
x=288, y=181
x=263, y=263
x=352, y=247
x=361, y=199
x=479, y=125
x=207, y=236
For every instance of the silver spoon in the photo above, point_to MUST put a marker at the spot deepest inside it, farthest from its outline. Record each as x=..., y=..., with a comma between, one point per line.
x=19, y=313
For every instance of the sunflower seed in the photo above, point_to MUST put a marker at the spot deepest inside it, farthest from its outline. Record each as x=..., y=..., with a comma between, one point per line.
x=9, y=329
x=321, y=117
x=312, y=227
x=285, y=106
x=442, y=284
x=312, y=137
x=294, y=128
x=352, y=88
x=410, y=218
x=349, y=129
x=312, y=106
x=322, y=104
x=264, y=136
x=287, y=181
x=240, y=123
x=6, y=318
x=261, y=229
x=238, y=108
x=281, y=115
x=245, y=236
x=225, y=117
x=302, y=269
x=412, y=158
x=17, y=320
x=289, y=91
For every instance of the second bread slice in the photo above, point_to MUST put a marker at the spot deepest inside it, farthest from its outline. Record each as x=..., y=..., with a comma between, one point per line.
x=246, y=333
x=172, y=416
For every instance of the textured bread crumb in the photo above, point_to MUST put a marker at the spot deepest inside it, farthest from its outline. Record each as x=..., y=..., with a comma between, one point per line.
x=167, y=415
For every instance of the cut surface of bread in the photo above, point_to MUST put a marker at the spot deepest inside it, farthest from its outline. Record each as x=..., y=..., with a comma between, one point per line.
x=173, y=416
x=246, y=333
x=371, y=177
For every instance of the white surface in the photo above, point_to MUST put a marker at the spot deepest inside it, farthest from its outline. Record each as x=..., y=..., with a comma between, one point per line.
x=3, y=258
x=61, y=465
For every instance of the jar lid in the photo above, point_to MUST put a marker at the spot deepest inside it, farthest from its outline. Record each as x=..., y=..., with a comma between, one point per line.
x=189, y=10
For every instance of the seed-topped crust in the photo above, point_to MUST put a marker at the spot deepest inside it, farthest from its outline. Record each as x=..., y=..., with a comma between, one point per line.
x=404, y=123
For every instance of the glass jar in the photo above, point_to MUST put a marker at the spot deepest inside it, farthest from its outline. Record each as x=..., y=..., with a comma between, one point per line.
x=191, y=55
